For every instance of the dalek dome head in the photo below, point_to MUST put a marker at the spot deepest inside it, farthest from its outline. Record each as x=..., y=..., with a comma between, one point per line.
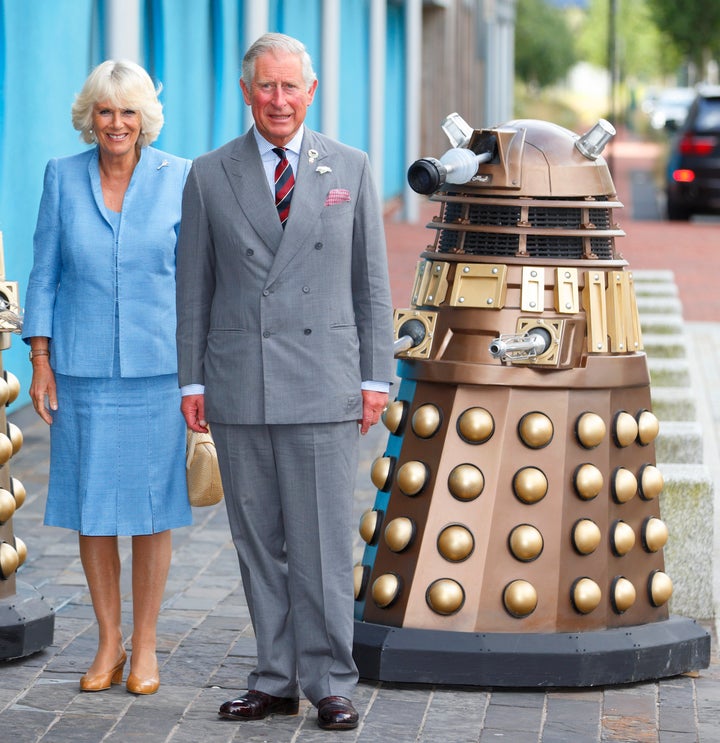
x=522, y=158
x=527, y=189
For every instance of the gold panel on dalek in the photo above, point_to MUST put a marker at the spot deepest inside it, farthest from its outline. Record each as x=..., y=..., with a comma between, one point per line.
x=27, y=622
x=516, y=538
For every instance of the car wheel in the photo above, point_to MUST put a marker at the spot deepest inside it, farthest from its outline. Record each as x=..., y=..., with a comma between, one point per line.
x=677, y=212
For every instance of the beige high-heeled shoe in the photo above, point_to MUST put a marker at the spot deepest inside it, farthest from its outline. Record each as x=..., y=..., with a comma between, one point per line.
x=101, y=681
x=137, y=685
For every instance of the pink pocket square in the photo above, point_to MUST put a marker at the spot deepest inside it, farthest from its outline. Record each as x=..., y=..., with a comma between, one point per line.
x=337, y=196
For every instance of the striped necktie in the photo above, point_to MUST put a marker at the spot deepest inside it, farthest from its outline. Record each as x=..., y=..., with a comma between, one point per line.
x=284, y=183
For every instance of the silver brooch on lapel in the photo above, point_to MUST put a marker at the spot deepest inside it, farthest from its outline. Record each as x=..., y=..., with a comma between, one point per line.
x=312, y=156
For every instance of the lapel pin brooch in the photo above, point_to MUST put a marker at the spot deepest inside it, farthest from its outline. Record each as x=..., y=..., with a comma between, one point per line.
x=312, y=156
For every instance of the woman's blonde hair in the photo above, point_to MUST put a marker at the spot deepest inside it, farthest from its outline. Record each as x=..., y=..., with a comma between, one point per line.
x=125, y=85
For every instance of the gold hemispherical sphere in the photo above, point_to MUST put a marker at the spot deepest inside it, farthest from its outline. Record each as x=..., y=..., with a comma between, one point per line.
x=426, y=420
x=520, y=598
x=622, y=538
x=585, y=595
x=466, y=482
x=590, y=429
x=625, y=429
x=654, y=534
x=623, y=594
x=399, y=533
x=16, y=437
x=394, y=416
x=385, y=589
x=358, y=572
x=13, y=387
x=476, y=425
x=445, y=596
x=535, y=430
x=4, y=391
x=18, y=491
x=369, y=523
x=588, y=481
x=455, y=543
x=9, y=560
x=651, y=482
x=7, y=505
x=526, y=542
x=21, y=549
x=530, y=484
x=586, y=536
x=381, y=472
x=660, y=588
x=6, y=448
x=648, y=427
x=624, y=485
x=358, y=577
x=412, y=477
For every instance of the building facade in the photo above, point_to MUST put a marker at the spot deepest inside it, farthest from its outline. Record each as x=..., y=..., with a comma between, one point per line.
x=389, y=71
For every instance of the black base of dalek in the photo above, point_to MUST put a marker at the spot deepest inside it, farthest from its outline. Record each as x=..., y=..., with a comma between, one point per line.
x=27, y=623
x=534, y=660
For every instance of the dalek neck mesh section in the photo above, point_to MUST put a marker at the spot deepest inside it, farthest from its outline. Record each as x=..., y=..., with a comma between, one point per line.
x=491, y=228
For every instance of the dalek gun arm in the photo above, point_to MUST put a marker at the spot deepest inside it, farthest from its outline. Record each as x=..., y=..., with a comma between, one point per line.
x=410, y=334
x=11, y=314
x=521, y=347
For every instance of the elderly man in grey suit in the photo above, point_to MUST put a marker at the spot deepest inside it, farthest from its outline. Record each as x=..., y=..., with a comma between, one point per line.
x=285, y=346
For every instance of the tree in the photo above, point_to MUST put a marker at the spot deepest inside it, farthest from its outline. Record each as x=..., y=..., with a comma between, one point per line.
x=642, y=53
x=544, y=47
x=692, y=26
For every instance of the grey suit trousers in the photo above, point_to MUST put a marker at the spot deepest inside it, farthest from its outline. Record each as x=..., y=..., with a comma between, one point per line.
x=288, y=493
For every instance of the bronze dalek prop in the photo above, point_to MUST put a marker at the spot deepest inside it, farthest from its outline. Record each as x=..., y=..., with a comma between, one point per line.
x=516, y=536
x=26, y=621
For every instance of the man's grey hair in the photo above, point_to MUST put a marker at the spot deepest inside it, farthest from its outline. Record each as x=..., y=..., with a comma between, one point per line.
x=274, y=44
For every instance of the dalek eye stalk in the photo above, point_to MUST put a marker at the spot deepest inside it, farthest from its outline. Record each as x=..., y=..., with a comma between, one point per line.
x=516, y=537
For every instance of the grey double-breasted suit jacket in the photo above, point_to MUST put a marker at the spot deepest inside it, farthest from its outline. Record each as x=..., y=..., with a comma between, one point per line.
x=282, y=326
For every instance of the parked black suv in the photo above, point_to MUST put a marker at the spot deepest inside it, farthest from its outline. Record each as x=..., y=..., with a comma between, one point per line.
x=693, y=170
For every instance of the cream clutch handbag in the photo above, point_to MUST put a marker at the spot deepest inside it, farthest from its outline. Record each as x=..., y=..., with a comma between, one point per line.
x=203, y=473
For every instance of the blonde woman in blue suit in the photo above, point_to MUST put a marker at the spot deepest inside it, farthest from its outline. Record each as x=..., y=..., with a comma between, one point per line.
x=100, y=322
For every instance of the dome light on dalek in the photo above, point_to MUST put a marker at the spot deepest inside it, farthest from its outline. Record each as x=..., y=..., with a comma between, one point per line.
x=517, y=515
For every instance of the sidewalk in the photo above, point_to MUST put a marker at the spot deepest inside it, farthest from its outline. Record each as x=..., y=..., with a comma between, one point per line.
x=206, y=648
x=206, y=645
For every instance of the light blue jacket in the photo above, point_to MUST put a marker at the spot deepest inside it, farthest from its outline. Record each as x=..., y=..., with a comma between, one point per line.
x=81, y=263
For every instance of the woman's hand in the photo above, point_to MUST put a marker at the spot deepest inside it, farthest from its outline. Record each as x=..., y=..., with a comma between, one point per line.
x=42, y=389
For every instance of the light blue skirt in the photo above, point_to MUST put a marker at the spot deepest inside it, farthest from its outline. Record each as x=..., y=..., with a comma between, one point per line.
x=117, y=456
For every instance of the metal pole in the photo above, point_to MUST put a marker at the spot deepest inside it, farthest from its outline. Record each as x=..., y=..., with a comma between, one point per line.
x=378, y=55
x=413, y=61
x=330, y=77
x=612, y=68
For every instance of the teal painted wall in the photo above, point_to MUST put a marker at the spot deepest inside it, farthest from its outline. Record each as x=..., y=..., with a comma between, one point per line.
x=194, y=48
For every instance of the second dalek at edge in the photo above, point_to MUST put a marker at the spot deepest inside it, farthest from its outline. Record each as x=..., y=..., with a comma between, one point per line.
x=518, y=494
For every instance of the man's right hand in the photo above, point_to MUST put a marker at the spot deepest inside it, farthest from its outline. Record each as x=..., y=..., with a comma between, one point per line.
x=193, y=409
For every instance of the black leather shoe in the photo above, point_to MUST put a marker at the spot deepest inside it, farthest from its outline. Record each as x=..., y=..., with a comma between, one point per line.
x=337, y=713
x=256, y=705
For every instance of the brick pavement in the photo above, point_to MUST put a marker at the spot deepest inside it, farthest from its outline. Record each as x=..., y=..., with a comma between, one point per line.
x=206, y=645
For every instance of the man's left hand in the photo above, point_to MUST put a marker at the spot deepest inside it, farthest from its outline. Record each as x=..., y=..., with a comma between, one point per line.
x=373, y=405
